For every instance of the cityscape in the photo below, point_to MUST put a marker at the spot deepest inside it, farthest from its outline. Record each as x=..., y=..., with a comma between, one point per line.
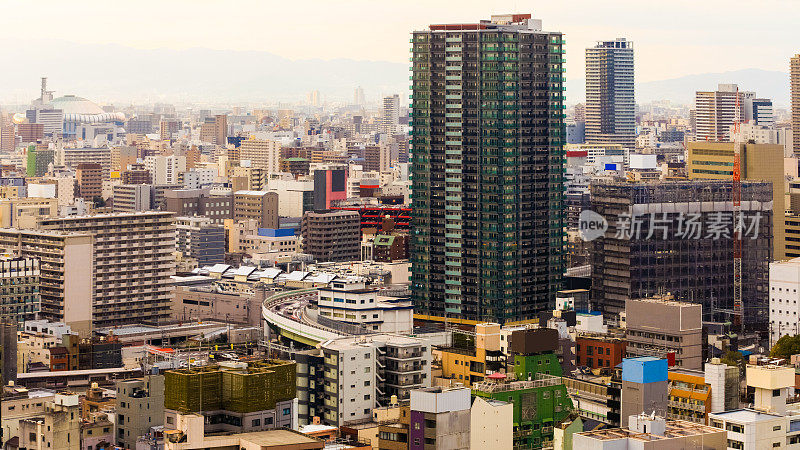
x=221, y=229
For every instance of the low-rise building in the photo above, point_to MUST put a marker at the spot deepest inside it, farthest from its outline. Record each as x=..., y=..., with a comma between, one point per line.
x=58, y=427
x=652, y=432
x=140, y=406
x=349, y=300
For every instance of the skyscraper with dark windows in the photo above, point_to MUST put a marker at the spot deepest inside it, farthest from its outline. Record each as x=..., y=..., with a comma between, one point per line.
x=488, y=160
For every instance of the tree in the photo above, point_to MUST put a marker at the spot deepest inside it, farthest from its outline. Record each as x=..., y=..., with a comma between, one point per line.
x=732, y=358
x=786, y=347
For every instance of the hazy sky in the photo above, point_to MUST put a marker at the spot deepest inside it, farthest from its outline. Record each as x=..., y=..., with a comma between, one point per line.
x=672, y=38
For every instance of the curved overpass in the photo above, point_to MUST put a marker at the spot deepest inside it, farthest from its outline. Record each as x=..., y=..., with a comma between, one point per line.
x=297, y=328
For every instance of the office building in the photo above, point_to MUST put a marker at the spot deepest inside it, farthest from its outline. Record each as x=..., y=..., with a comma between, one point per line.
x=89, y=180
x=199, y=202
x=758, y=162
x=795, y=87
x=20, y=299
x=122, y=157
x=201, y=239
x=471, y=365
x=168, y=127
x=24, y=212
x=133, y=262
x=660, y=325
x=214, y=130
x=262, y=154
x=644, y=386
x=597, y=351
x=760, y=112
x=234, y=396
x=610, y=108
x=690, y=265
x=488, y=185
x=332, y=235
x=259, y=205
x=165, y=169
x=66, y=262
x=390, y=117
x=716, y=111
x=330, y=185
x=295, y=197
x=653, y=432
x=139, y=406
x=131, y=198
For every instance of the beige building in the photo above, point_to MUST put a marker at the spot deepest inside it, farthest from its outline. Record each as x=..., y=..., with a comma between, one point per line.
x=131, y=198
x=122, y=157
x=262, y=154
x=66, y=272
x=57, y=428
x=243, y=237
x=19, y=404
x=759, y=162
x=491, y=424
x=25, y=212
x=34, y=348
x=133, y=257
x=210, y=303
x=656, y=326
x=259, y=205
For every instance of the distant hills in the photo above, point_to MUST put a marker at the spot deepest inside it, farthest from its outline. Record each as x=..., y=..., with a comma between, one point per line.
x=765, y=83
x=115, y=73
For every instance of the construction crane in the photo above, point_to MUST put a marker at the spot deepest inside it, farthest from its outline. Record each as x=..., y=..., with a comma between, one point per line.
x=736, y=222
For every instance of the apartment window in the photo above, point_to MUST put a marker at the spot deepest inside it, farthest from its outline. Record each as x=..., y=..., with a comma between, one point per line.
x=286, y=411
x=736, y=428
x=776, y=428
x=256, y=422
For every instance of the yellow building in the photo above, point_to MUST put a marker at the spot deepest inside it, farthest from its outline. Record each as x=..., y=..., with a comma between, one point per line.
x=759, y=162
x=469, y=366
x=689, y=396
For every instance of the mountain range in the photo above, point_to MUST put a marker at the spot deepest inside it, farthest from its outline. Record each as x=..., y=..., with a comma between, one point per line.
x=115, y=73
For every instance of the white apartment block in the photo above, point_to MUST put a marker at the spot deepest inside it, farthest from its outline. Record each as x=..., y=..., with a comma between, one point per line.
x=784, y=310
x=199, y=177
x=262, y=154
x=363, y=372
x=349, y=300
x=165, y=169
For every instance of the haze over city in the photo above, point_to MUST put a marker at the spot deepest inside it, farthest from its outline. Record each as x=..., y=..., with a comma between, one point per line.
x=419, y=225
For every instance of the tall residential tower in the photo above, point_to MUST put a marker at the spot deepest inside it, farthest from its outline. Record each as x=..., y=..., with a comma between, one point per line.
x=795, y=82
x=610, y=105
x=488, y=136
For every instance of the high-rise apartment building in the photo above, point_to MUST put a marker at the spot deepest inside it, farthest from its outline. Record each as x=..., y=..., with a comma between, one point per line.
x=20, y=298
x=795, y=86
x=133, y=262
x=677, y=237
x=610, y=109
x=716, y=111
x=262, y=154
x=390, y=117
x=66, y=272
x=488, y=156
